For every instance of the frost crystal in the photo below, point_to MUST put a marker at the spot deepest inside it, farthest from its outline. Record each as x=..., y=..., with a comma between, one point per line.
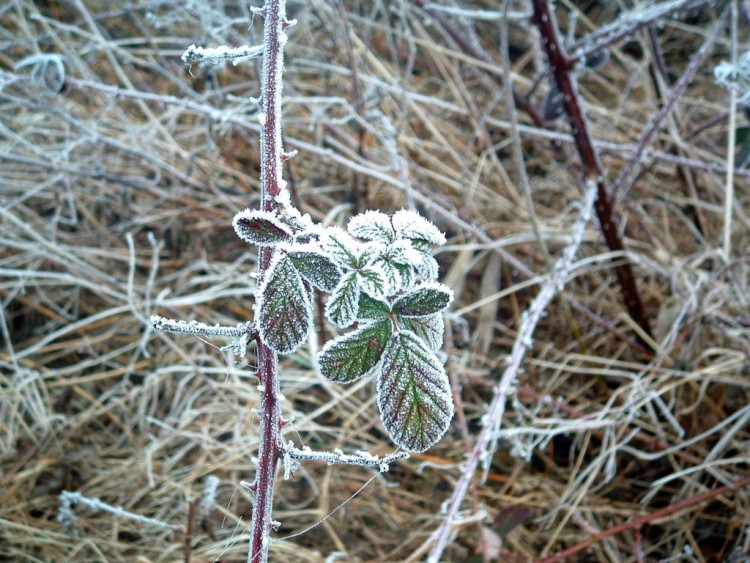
x=372, y=225
x=413, y=226
x=260, y=228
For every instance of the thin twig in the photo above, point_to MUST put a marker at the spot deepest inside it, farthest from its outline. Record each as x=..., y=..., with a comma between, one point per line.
x=485, y=443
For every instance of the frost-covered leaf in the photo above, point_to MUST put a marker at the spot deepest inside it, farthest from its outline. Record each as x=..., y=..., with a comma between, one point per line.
x=372, y=281
x=414, y=395
x=343, y=304
x=316, y=268
x=408, y=277
x=428, y=269
x=284, y=309
x=340, y=246
x=403, y=252
x=391, y=273
x=356, y=354
x=372, y=309
x=261, y=228
x=425, y=299
x=370, y=253
x=429, y=328
x=412, y=225
x=372, y=225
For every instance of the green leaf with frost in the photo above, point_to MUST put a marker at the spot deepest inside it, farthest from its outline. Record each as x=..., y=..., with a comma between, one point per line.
x=316, y=268
x=284, y=307
x=356, y=354
x=372, y=309
x=343, y=304
x=424, y=299
x=429, y=328
x=261, y=228
x=372, y=281
x=414, y=394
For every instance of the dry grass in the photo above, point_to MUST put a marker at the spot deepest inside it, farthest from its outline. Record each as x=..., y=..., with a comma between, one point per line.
x=117, y=196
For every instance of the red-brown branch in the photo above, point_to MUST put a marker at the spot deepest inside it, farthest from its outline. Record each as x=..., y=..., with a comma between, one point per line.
x=561, y=66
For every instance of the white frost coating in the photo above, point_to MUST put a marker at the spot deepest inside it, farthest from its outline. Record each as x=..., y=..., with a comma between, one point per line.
x=261, y=117
x=69, y=498
x=372, y=225
x=412, y=225
x=403, y=252
x=222, y=53
x=343, y=304
x=360, y=458
x=373, y=281
x=428, y=269
x=283, y=307
x=413, y=393
x=196, y=328
x=340, y=246
x=314, y=266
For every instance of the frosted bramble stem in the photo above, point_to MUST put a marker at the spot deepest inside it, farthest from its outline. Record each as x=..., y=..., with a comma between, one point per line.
x=162, y=324
x=360, y=458
x=271, y=151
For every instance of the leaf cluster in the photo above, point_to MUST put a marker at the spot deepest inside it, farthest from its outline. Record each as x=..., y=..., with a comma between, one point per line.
x=382, y=281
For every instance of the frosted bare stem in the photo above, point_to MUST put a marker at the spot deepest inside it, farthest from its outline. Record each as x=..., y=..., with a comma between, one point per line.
x=196, y=328
x=485, y=444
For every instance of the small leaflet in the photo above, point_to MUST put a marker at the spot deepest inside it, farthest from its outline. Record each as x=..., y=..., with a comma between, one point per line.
x=391, y=273
x=343, y=304
x=372, y=225
x=428, y=269
x=425, y=299
x=316, y=268
x=429, y=328
x=372, y=309
x=372, y=281
x=356, y=354
x=261, y=228
x=284, y=308
x=408, y=277
x=412, y=225
x=370, y=253
x=414, y=394
x=340, y=246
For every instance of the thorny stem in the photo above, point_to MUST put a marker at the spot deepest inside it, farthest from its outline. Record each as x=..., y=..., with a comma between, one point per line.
x=561, y=66
x=271, y=151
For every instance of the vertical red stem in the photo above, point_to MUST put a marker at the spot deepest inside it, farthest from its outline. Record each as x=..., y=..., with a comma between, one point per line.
x=561, y=67
x=271, y=149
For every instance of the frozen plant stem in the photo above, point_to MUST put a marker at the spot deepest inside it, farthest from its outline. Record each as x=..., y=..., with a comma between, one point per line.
x=271, y=151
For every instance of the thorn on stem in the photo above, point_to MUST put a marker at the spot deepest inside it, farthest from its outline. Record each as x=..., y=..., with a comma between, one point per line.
x=289, y=155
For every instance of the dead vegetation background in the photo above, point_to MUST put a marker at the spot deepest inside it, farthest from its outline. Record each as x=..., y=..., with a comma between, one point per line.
x=117, y=195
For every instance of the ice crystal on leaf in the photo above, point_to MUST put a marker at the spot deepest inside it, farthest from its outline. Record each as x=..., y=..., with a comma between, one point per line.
x=340, y=246
x=261, y=228
x=413, y=393
x=412, y=225
x=283, y=307
x=372, y=225
x=356, y=354
x=372, y=280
